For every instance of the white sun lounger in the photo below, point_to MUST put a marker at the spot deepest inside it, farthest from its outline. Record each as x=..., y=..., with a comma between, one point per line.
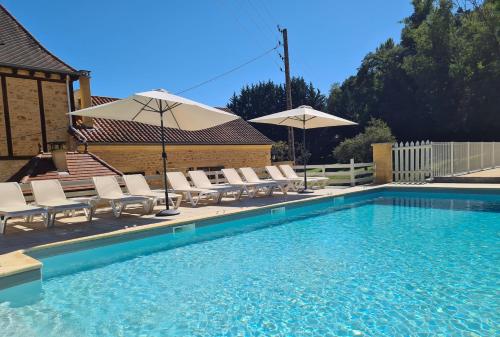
x=49, y=194
x=13, y=205
x=137, y=185
x=275, y=173
x=108, y=189
x=314, y=181
x=251, y=189
x=252, y=177
x=180, y=184
x=200, y=180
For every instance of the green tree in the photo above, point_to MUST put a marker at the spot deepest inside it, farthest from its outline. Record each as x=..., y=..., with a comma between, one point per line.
x=440, y=82
x=359, y=147
x=264, y=98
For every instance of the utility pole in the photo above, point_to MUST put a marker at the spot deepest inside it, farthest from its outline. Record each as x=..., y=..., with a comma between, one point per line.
x=288, y=90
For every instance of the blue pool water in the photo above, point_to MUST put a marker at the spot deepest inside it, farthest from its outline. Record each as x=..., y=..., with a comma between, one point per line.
x=386, y=264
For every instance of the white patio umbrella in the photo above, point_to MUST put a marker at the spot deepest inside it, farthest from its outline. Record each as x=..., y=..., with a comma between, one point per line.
x=158, y=107
x=304, y=117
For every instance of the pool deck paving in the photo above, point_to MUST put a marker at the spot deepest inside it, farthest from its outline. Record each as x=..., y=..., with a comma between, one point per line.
x=21, y=236
x=492, y=173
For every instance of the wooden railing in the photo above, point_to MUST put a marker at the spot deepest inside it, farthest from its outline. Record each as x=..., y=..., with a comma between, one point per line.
x=339, y=174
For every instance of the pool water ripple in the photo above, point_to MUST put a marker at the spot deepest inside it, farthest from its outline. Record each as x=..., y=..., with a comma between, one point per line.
x=379, y=269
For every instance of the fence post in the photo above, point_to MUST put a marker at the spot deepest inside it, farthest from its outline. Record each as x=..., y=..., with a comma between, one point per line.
x=431, y=159
x=482, y=155
x=382, y=162
x=323, y=170
x=351, y=170
x=216, y=177
x=468, y=157
x=493, y=155
x=451, y=159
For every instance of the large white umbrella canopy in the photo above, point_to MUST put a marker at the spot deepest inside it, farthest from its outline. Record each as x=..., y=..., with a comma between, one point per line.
x=159, y=107
x=146, y=107
x=304, y=117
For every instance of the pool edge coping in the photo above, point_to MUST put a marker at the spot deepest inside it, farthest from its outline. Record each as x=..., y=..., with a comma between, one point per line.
x=18, y=262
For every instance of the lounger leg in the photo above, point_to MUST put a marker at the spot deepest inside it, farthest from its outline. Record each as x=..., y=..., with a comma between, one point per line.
x=148, y=206
x=3, y=224
x=89, y=212
x=117, y=208
x=178, y=202
x=238, y=194
x=191, y=200
x=52, y=217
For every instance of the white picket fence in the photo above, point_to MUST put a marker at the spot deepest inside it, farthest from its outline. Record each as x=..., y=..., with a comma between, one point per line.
x=416, y=162
x=412, y=162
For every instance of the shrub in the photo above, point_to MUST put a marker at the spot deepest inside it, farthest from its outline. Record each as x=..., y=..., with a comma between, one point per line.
x=359, y=147
x=279, y=151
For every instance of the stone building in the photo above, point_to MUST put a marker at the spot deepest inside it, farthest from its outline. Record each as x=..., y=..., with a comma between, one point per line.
x=36, y=93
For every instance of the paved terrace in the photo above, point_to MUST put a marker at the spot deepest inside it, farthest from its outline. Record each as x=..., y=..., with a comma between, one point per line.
x=21, y=235
x=493, y=173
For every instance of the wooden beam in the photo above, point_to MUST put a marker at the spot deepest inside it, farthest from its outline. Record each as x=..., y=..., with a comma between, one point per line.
x=8, y=134
x=42, y=115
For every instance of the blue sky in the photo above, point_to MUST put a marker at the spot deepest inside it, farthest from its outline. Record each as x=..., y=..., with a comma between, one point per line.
x=132, y=46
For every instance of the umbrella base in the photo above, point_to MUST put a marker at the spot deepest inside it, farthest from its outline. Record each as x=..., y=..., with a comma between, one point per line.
x=168, y=212
x=306, y=191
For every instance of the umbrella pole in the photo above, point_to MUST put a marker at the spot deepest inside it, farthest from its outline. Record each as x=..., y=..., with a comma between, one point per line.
x=304, y=156
x=167, y=211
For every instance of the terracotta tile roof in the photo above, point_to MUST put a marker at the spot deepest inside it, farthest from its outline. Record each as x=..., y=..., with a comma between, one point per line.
x=18, y=48
x=107, y=131
x=80, y=166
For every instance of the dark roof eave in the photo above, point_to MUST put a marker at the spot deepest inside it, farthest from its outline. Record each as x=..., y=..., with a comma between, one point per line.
x=45, y=70
x=170, y=144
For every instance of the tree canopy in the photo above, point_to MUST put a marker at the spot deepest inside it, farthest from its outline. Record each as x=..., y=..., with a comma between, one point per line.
x=441, y=82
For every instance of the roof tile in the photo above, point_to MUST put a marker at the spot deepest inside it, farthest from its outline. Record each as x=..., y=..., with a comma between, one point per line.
x=237, y=132
x=19, y=48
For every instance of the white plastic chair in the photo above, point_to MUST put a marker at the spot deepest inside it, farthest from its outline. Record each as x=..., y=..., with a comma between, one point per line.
x=251, y=189
x=252, y=177
x=290, y=173
x=13, y=205
x=49, y=194
x=108, y=189
x=275, y=173
x=137, y=185
x=200, y=180
x=180, y=184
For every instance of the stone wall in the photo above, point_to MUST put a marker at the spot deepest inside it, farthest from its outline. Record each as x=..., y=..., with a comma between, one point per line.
x=147, y=158
x=22, y=95
x=55, y=102
x=9, y=167
x=24, y=114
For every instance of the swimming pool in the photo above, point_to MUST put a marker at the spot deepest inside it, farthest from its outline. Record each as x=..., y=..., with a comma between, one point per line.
x=386, y=263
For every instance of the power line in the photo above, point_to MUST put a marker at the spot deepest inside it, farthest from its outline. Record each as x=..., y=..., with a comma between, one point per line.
x=228, y=71
x=236, y=17
x=263, y=20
